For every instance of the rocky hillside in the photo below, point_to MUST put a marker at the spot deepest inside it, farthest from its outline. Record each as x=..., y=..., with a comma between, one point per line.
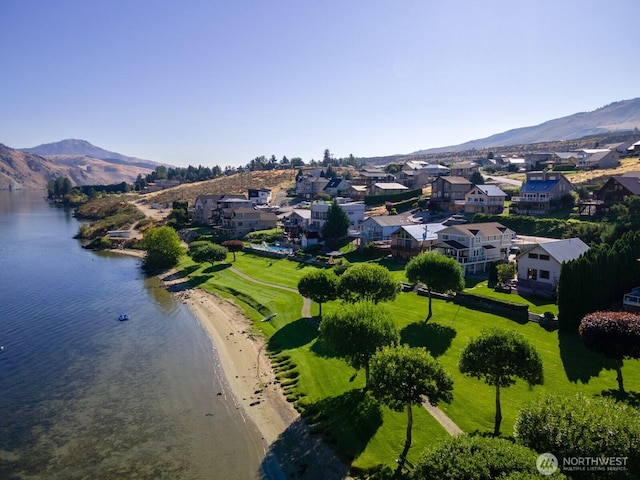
x=20, y=169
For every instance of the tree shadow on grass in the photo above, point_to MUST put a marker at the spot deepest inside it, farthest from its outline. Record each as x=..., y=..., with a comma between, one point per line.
x=216, y=268
x=434, y=337
x=630, y=398
x=346, y=422
x=322, y=350
x=293, y=335
x=297, y=453
x=580, y=363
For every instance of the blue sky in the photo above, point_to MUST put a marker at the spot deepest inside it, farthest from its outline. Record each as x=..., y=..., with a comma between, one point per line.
x=207, y=82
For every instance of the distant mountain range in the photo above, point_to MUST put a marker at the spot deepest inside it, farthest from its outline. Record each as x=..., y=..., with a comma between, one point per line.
x=79, y=160
x=615, y=117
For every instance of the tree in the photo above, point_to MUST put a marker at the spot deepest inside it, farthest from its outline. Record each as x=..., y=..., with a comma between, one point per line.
x=506, y=272
x=613, y=334
x=476, y=178
x=234, y=246
x=368, y=281
x=436, y=272
x=320, y=286
x=401, y=376
x=481, y=458
x=355, y=331
x=163, y=248
x=202, y=252
x=337, y=225
x=582, y=426
x=499, y=357
x=326, y=158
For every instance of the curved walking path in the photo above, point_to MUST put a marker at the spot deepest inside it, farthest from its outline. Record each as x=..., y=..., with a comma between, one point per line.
x=441, y=417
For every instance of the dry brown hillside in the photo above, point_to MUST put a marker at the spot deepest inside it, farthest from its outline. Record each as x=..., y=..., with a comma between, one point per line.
x=239, y=183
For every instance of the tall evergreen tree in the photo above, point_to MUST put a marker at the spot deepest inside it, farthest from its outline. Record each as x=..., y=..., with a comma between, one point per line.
x=337, y=225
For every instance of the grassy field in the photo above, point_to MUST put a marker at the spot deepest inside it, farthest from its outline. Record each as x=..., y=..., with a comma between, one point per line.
x=334, y=401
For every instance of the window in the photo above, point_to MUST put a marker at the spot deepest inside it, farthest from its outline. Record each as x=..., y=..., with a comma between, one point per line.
x=544, y=257
x=544, y=274
x=533, y=255
x=532, y=274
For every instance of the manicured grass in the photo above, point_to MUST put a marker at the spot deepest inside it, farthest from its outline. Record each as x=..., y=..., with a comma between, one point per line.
x=334, y=402
x=536, y=304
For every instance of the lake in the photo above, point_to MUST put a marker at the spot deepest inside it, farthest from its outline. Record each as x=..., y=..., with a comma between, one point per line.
x=83, y=395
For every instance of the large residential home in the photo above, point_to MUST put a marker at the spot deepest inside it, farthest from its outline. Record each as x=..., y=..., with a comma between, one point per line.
x=356, y=192
x=206, y=209
x=538, y=160
x=308, y=186
x=381, y=188
x=539, y=266
x=599, y=158
x=541, y=193
x=336, y=186
x=411, y=240
x=237, y=222
x=463, y=169
x=380, y=227
x=484, y=199
x=368, y=175
x=475, y=245
x=446, y=190
x=260, y=196
x=413, y=178
x=614, y=191
x=319, y=210
x=297, y=221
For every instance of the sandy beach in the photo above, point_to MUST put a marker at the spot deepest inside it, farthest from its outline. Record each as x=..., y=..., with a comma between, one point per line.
x=290, y=451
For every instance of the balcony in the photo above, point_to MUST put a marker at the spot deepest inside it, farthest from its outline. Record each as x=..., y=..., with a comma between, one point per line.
x=631, y=301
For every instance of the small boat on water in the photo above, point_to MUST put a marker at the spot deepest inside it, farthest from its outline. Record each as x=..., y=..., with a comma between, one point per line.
x=123, y=316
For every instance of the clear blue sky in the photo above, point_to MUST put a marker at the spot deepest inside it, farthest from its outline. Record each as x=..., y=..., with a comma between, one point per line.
x=221, y=82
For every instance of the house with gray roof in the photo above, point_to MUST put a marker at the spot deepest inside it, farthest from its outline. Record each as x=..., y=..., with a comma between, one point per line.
x=411, y=240
x=603, y=158
x=446, y=190
x=380, y=227
x=484, y=199
x=614, y=192
x=541, y=193
x=539, y=266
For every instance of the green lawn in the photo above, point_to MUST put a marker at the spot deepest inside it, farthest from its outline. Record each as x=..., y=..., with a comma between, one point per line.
x=335, y=403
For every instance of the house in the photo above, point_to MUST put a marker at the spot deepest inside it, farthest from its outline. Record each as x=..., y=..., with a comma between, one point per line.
x=463, y=169
x=308, y=186
x=380, y=188
x=541, y=193
x=539, y=266
x=297, y=221
x=319, y=210
x=203, y=208
x=238, y=221
x=356, y=192
x=474, y=245
x=484, y=199
x=368, y=175
x=413, y=178
x=431, y=169
x=615, y=190
x=446, y=190
x=336, y=186
x=538, y=160
x=599, y=158
x=411, y=240
x=260, y=196
x=380, y=227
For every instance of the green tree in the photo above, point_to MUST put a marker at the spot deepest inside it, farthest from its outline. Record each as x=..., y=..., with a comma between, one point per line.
x=202, y=252
x=234, y=246
x=582, y=426
x=499, y=357
x=506, y=272
x=326, y=158
x=401, y=376
x=436, y=272
x=355, y=331
x=368, y=281
x=337, y=225
x=613, y=334
x=465, y=457
x=163, y=248
x=476, y=178
x=319, y=285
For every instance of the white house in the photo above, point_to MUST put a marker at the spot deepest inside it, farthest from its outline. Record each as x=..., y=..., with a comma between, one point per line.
x=260, y=196
x=380, y=227
x=354, y=211
x=539, y=266
x=484, y=199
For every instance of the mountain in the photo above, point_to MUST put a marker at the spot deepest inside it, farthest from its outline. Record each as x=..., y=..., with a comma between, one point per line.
x=22, y=169
x=73, y=148
x=615, y=117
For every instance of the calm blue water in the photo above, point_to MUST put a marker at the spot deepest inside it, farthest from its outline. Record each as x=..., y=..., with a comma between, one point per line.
x=83, y=395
